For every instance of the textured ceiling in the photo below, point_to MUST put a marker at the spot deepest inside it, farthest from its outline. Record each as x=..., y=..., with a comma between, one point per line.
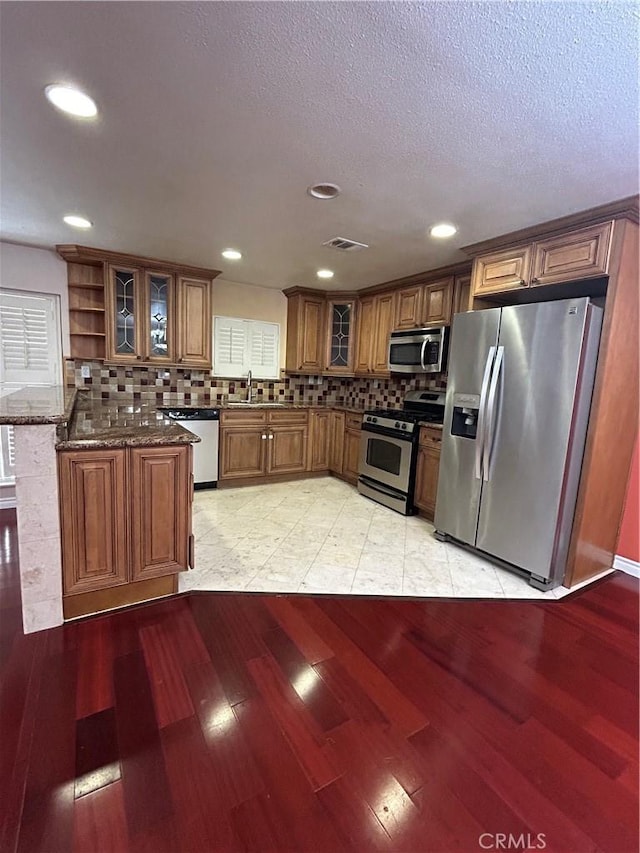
x=214, y=118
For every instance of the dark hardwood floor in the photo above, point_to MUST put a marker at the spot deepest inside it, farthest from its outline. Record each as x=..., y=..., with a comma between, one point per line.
x=308, y=723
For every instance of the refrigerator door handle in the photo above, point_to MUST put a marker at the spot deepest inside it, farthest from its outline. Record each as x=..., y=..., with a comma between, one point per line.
x=491, y=415
x=422, y=349
x=482, y=412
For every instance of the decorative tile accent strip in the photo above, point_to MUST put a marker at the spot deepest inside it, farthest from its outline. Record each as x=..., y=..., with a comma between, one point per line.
x=174, y=386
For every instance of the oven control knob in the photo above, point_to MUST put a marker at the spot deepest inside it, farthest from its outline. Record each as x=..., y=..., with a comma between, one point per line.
x=374, y=420
x=404, y=426
x=397, y=425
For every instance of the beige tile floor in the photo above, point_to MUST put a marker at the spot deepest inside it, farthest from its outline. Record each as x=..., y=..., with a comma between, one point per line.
x=320, y=535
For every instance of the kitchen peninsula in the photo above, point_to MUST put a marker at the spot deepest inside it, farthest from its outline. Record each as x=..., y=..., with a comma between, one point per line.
x=122, y=472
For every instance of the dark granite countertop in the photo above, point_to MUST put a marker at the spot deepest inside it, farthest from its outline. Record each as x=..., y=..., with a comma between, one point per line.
x=119, y=421
x=51, y=404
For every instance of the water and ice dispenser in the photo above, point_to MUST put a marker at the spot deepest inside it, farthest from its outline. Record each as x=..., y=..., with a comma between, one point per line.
x=465, y=415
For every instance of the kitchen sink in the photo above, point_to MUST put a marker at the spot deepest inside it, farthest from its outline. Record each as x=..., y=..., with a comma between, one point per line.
x=244, y=404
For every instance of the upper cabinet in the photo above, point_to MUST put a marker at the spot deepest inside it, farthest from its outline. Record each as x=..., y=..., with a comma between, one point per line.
x=438, y=297
x=583, y=254
x=341, y=314
x=305, y=331
x=377, y=318
x=409, y=307
x=572, y=256
x=193, y=312
x=320, y=332
x=128, y=310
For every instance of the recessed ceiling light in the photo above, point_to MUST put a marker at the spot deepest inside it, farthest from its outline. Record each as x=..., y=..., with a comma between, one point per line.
x=443, y=229
x=78, y=221
x=232, y=254
x=324, y=190
x=71, y=100
x=324, y=274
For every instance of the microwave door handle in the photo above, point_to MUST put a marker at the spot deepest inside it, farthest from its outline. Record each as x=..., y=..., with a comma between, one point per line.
x=490, y=423
x=422, y=350
x=480, y=432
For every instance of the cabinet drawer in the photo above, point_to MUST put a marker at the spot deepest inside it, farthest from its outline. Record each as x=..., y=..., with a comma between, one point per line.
x=508, y=269
x=430, y=437
x=248, y=417
x=583, y=254
x=353, y=421
x=288, y=416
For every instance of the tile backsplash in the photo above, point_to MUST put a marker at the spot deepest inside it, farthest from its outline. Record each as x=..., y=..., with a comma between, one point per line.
x=175, y=385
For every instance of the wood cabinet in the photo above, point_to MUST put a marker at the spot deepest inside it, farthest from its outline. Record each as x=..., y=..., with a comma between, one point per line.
x=351, y=454
x=133, y=310
x=256, y=443
x=194, y=319
x=160, y=495
x=377, y=316
x=508, y=269
x=336, y=442
x=94, y=519
x=111, y=536
x=581, y=254
x=366, y=331
x=385, y=304
x=428, y=465
x=461, y=294
x=438, y=296
x=409, y=307
x=305, y=331
x=573, y=256
x=341, y=317
x=319, y=440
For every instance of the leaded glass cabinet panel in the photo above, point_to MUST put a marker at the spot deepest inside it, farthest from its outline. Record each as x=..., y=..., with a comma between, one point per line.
x=125, y=334
x=159, y=301
x=341, y=328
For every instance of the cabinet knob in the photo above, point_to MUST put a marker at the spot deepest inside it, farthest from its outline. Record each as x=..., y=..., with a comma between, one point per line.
x=139, y=357
x=270, y=438
x=180, y=360
x=535, y=281
x=263, y=437
x=521, y=282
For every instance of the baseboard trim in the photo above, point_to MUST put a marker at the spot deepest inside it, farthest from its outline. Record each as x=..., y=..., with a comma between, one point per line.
x=631, y=567
x=8, y=503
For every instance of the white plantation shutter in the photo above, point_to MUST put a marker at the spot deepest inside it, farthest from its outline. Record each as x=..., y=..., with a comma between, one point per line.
x=29, y=340
x=243, y=345
x=264, y=349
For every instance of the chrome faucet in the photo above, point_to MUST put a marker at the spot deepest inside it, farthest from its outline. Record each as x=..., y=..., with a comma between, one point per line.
x=249, y=388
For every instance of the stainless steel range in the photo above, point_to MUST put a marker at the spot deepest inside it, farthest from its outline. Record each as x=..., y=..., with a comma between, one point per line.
x=389, y=446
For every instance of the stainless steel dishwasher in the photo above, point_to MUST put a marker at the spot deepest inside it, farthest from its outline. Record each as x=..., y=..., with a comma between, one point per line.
x=205, y=423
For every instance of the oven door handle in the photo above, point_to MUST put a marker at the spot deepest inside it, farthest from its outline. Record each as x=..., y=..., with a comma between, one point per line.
x=422, y=350
x=482, y=414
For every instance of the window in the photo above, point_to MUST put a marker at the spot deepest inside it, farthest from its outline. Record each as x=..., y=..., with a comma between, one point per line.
x=30, y=354
x=30, y=351
x=240, y=346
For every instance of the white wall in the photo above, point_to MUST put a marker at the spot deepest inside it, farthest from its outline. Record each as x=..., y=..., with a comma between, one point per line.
x=38, y=270
x=250, y=302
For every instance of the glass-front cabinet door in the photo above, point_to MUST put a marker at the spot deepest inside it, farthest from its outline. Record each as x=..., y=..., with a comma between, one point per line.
x=158, y=305
x=140, y=324
x=124, y=332
x=341, y=316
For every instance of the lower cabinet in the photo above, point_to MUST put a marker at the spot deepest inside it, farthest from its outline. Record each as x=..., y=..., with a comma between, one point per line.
x=126, y=515
x=351, y=454
x=336, y=443
x=428, y=465
x=319, y=440
x=256, y=443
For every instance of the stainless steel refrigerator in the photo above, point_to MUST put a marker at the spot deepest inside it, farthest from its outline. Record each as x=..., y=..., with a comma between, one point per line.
x=518, y=398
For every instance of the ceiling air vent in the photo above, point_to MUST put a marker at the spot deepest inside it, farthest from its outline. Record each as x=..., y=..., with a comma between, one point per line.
x=345, y=245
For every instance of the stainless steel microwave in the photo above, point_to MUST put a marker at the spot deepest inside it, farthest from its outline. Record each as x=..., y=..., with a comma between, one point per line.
x=419, y=350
